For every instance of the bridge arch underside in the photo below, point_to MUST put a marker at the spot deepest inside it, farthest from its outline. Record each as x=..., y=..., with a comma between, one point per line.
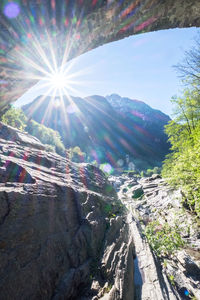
x=36, y=36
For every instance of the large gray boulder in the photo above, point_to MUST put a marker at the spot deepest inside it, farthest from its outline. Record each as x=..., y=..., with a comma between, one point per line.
x=64, y=234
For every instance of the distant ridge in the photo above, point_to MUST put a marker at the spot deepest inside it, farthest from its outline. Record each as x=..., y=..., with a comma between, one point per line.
x=108, y=129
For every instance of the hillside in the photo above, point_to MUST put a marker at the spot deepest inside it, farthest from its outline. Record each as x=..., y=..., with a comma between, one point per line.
x=110, y=130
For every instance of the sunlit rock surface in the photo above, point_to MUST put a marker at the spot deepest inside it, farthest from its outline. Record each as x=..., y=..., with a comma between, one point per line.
x=175, y=276
x=37, y=37
x=64, y=235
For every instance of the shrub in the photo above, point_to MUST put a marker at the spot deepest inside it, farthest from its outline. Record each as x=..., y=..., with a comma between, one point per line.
x=15, y=118
x=49, y=137
x=50, y=148
x=76, y=155
x=163, y=239
x=46, y=136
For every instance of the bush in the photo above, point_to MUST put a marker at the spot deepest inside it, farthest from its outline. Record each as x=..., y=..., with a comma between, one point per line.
x=15, y=118
x=49, y=137
x=46, y=136
x=50, y=148
x=163, y=239
x=76, y=155
x=155, y=170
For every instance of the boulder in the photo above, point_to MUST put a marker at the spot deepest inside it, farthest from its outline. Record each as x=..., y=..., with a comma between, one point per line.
x=64, y=234
x=12, y=134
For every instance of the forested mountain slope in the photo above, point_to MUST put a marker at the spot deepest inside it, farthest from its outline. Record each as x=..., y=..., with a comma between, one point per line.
x=106, y=129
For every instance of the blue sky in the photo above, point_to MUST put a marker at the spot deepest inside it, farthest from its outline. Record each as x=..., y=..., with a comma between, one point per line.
x=138, y=67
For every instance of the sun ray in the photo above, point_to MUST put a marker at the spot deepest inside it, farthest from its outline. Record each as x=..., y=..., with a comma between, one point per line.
x=31, y=63
x=41, y=53
x=38, y=103
x=48, y=109
x=66, y=120
x=67, y=51
x=51, y=48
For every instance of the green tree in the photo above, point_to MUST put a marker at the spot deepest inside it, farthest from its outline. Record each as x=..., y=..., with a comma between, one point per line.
x=76, y=154
x=181, y=166
x=15, y=118
x=187, y=108
x=149, y=172
x=49, y=137
x=189, y=68
x=46, y=136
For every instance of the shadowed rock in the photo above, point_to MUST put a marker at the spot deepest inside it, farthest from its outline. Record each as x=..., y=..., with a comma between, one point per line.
x=64, y=234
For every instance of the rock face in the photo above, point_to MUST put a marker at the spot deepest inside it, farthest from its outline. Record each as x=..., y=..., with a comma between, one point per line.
x=70, y=28
x=14, y=135
x=170, y=276
x=64, y=235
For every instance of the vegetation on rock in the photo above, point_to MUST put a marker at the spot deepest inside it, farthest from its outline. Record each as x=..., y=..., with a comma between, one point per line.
x=15, y=118
x=49, y=137
x=75, y=154
x=163, y=239
x=181, y=166
x=46, y=136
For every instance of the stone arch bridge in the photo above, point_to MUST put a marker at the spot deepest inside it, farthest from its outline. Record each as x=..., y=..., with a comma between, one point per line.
x=38, y=36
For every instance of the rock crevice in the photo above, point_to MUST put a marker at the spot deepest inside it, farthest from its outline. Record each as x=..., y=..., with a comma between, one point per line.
x=4, y=208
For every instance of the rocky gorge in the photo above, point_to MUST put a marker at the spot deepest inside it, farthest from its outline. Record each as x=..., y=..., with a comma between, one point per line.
x=69, y=232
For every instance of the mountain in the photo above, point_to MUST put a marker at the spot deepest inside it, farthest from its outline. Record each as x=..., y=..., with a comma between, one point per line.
x=111, y=129
x=127, y=107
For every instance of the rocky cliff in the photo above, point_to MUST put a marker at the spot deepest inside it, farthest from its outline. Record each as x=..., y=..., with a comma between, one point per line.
x=64, y=234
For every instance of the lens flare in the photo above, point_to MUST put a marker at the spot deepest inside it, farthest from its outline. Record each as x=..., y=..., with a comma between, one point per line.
x=58, y=80
x=11, y=10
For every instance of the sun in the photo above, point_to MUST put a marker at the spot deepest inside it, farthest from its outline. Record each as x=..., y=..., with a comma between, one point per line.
x=58, y=80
